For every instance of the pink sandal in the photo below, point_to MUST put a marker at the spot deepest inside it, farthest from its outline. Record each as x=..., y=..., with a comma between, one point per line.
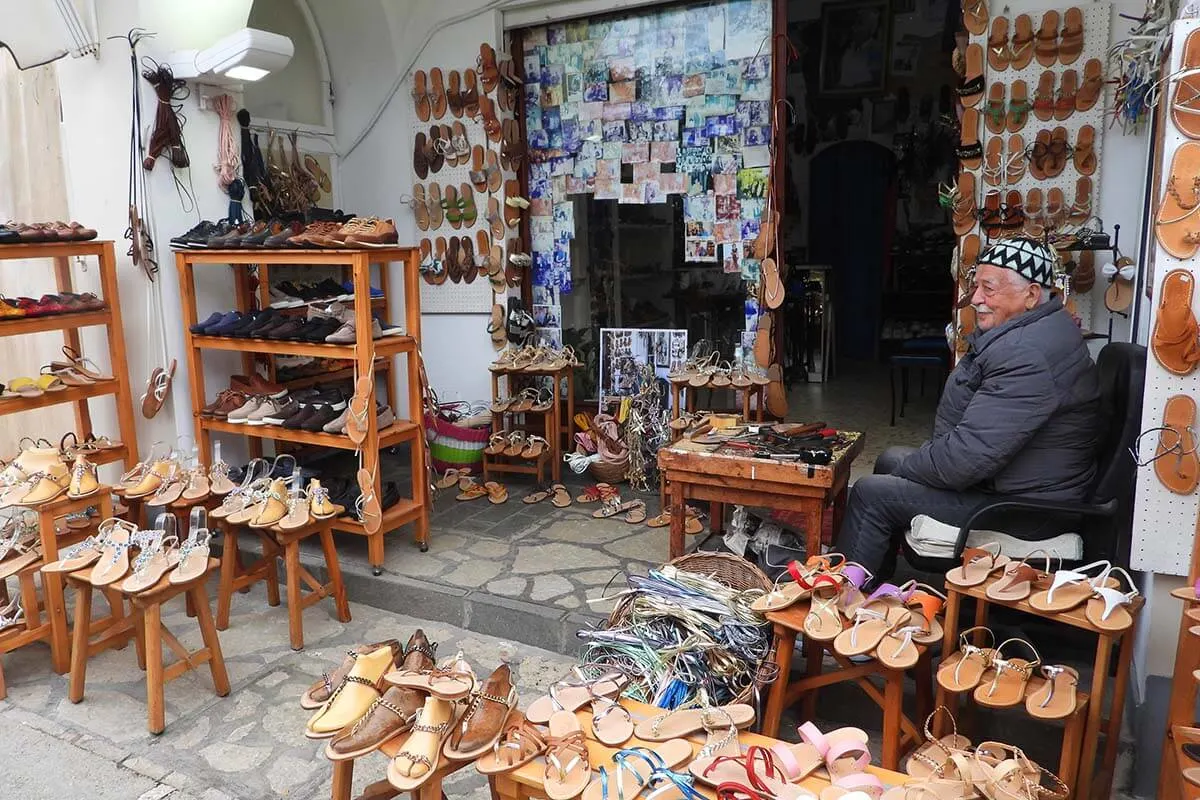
x=846, y=758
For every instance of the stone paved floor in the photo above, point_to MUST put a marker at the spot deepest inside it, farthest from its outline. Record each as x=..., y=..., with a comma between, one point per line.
x=249, y=745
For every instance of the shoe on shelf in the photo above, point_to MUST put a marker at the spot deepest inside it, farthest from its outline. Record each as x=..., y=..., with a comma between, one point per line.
x=228, y=322
x=286, y=330
x=282, y=299
x=279, y=239
x=348, y=288
x=212, y=320
x=243, y=413
x=388, y=329
x=227, y=401
x=280, y=413
x=269, y=408
x=198, y=236
x=226, y=234
x=322, y=416
x=347, y=333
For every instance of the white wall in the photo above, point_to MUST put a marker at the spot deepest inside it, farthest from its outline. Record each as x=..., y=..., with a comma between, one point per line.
x=96, y=119
x=364, y=60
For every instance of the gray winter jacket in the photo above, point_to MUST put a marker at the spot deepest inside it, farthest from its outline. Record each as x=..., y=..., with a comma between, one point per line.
x=1020, y=414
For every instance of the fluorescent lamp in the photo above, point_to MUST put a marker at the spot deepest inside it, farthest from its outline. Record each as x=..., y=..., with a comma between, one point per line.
x=245, y=55
x=243, y=72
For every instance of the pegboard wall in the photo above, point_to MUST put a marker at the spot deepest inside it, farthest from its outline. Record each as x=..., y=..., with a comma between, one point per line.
x=1097, y=32
x=461, y=298
x=1164, y=523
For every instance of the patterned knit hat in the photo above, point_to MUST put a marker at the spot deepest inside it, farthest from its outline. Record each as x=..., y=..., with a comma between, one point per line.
x=1026, y=257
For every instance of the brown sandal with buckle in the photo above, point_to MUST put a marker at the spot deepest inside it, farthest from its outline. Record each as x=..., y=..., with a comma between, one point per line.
x=438, y=93
x=421, y=97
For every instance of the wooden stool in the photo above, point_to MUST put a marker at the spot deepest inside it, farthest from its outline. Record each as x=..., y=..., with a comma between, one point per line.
x=145, y=626
x=285, y=544
x=897, y=728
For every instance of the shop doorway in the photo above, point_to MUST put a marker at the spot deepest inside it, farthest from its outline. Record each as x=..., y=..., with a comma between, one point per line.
x=868, y=245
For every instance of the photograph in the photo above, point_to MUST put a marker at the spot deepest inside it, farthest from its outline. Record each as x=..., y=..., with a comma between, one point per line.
x=546, y=316
x=905, y=55
x=854, y=47
x=662, y=349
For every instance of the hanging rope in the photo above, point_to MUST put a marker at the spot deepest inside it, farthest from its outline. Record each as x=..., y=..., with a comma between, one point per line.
x=168, y=120
x=228, y=159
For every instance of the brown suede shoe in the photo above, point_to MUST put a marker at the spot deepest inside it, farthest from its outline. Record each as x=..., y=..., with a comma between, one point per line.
x=391, y=715
x=321, y=691
x=484, y=719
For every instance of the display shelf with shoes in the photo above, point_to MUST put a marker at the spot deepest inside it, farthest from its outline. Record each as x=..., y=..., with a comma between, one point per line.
x=520, y=369
x=1077, y=595
x=1178, y=775
x=368, y=345
x=45, y=619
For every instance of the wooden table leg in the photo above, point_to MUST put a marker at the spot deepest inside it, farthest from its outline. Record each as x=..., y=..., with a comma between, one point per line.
x=270, y=554
x=3, y=685
x=229, y=565
x=1068, y=763
x=116, y=608
x=678, y=518
x=79, y=647
x=785, y=645
x=56, y=610
x=151, y=619
x=814, y=515
x=1095, y=705
x=814, y=664
x=335, y=574
x=949, y=637
x=291, y=558
x=893, y=707
x=139, y=641
x=343, y=779
x=1120, y=685
x=923, y=674
x=208, y=632
x=716, y=517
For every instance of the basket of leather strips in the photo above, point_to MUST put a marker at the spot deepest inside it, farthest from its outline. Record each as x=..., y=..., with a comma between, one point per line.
x=685, y=633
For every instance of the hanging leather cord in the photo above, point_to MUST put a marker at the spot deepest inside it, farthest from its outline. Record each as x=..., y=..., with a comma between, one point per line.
x=228, y=161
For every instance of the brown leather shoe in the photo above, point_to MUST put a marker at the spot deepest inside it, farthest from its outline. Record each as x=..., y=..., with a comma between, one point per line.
x=484, y=719
x=226, y=402
x=392, y=714
x=264, y=388
x=321, y=691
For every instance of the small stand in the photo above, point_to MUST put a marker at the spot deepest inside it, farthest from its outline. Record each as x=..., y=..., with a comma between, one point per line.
x=284, y=544
x=145, y=626
x=1092, y=782
x=898, y=730
x=554, y=426
x=343, y=777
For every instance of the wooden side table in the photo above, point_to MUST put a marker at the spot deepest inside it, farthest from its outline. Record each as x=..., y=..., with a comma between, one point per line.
x=285, y=544
x=343, y=776
x=145, y=626
x=898, y=729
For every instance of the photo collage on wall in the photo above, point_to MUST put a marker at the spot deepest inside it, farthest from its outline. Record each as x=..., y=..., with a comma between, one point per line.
x=640, y=107
x=625, y=352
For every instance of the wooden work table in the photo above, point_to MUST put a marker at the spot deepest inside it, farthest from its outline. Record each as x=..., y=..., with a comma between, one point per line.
x=696, y=472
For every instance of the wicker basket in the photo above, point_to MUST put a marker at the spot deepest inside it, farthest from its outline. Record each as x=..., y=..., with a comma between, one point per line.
x=736, y=573
x=452, y=445
x=609, y=471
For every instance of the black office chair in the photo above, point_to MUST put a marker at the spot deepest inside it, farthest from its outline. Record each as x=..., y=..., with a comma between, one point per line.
x=1104, y=519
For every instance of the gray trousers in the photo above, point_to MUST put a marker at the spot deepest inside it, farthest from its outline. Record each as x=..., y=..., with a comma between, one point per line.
x=881, y=507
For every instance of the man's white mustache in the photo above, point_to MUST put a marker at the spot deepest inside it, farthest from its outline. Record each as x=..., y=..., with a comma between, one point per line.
x=981, y=308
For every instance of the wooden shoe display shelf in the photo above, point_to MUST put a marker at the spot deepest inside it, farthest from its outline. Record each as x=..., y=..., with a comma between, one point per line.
x=46, y=618
x=1182, y=726
x=364, y=352
x=554, y=421
x=285, y=545
x=144, y=625
x=1079, y=768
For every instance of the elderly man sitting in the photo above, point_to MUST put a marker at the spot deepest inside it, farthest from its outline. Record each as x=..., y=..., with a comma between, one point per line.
x=1020, y=414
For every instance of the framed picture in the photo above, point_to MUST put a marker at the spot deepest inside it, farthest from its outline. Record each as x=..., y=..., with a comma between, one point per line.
x=855, y=38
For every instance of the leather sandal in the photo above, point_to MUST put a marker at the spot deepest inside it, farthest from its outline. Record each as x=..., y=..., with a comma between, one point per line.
x=1021, y=49
x=353, y=695
x=418, y=760
x=1004, y=684
x=519, y=743
x=933, y=753
x=883, y=611
x=1045, y=48
x=194, y=552
x=1071, y=587
x=1070, y=43
x=568, y=770
x=635, y=769
x=1017, y=581
x=482, y=723
x=962, y=671
x=421, y=98
x=572, y=693
x=1110, y=609
x=453, y=680
x=1174, y=341
x=978, y=563
x=824, y=621
x=1056, y=696
x=319, y=693
x=1175, y=459
x=437, y=91
x=971, y=90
